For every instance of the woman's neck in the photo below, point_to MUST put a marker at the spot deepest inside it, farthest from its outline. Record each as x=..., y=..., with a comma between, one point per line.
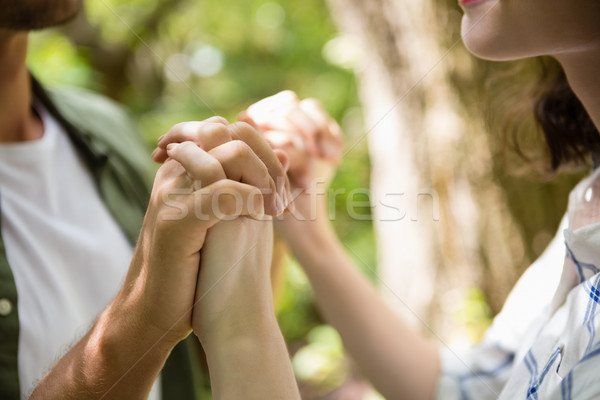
x=583, y=73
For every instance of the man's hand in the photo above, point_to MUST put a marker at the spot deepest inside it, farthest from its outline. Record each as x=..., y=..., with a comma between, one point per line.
x=216, y=131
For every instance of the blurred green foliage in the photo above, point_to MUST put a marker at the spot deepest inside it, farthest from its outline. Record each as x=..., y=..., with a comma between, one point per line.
x=474, y=314
x=170, y=61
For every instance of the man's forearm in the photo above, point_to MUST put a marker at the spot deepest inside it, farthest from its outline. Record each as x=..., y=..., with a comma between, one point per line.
x=118, y=358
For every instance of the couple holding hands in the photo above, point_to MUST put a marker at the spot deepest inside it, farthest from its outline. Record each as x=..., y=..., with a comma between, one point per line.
x=202, y=262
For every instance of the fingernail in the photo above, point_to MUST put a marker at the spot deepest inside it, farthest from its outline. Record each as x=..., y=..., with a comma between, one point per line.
x=154, y=153
x=171, y=146
x=279, y=206
x=285, y=198
x=161, y=138
x=281, y=192
x=291, y=207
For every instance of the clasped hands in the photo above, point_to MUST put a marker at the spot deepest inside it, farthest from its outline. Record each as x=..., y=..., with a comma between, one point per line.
x=203, y=257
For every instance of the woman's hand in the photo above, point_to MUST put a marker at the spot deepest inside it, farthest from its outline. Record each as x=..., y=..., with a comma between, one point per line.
x=302, y=129
x=313, y=143
x=234, y=296
x=234, y=317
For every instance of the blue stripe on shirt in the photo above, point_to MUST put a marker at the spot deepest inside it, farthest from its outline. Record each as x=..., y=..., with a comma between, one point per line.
x=581, y=265
x=536, y=381
x=480, y=374
x=590, y=313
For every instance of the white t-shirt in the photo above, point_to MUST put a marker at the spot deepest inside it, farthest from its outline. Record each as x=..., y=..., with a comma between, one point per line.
x=67, y=254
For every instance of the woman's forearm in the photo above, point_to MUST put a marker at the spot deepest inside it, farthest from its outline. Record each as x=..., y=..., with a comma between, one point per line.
x=399, y=362
x=234, y=316
x=253, y=366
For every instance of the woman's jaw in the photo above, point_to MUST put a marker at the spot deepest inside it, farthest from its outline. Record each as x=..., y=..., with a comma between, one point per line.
x=502, y=30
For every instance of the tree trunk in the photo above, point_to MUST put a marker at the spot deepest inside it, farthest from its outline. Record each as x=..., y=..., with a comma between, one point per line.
x=442, y=221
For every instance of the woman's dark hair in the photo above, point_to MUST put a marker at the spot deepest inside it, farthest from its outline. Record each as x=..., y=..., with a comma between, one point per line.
x=568, y=130
x=558, y=135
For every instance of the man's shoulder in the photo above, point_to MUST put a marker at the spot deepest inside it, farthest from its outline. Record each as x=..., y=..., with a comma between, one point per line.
x=105, y=126
x=90, y=111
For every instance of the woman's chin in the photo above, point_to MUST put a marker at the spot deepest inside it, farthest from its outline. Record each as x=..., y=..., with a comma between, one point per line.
x=492, y=48
x=489, y=53
x=489, y=40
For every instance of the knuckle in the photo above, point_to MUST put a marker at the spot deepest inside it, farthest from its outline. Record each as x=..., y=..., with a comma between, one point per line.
x=218, y=119
x=241, y=149
x=289, y=94
x=228, y=204
x=312, y=102
x=187, y=130
x=219, y=187
x=227, y=197
x=219, y=131
x=242, y=130
x=203, y=209
x=166, y=170
x=182, y=149
x=211, y=170
x=264, y=171
x=186, y=145
x=177, y=128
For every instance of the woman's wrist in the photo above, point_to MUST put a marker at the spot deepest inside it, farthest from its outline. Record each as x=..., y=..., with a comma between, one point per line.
x=247, y=312
x=254, y=327
x=251, y=366
x=308, y=224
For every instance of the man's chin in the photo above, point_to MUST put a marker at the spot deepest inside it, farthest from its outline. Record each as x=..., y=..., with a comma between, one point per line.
x=66, y=19
x=31, y=15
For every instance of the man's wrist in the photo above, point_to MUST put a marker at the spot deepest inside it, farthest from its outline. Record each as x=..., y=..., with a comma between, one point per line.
x=127, y=323
x=115, y=359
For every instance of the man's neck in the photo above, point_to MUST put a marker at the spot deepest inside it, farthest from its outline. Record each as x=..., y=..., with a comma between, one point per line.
x=18, y=122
